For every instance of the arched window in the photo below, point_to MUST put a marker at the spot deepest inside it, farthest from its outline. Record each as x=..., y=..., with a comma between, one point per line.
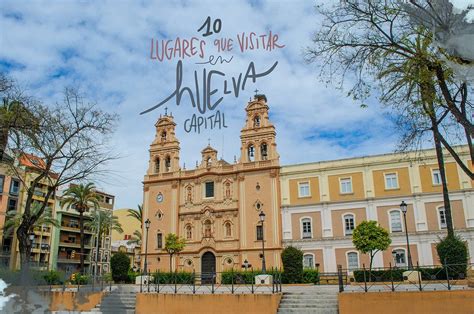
x=442, y=217
x=208, y=162
x=157, y=165
x=349, y=224
x=352, y=260
x=207, y=229
x=264, y=151
x=168, y=164
x=308, y=261
x=395, y=221
x=256, y=121
x=399, y=257
x=189, y=232
x=163, y=136
x=251, y=153
x=228, y=229
x=306, y=228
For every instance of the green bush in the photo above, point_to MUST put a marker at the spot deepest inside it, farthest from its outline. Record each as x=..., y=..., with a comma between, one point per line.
x=244, y=277
x=310, y=276
x=54, y=277
x=452, y=251
x=132, y=275
x=180, y=277
x=292, y=264
x=379, y=275
x=120, y=265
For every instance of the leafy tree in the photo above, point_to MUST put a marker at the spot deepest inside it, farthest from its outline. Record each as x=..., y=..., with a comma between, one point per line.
x=14, y=219
x=82, y=198
x=173, y=245
x=102, y=224
x=292, y=259
x=369, y=238
x=120, y=265
x=453, y=253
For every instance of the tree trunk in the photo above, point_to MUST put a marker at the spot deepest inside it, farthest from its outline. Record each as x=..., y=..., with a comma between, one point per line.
x=171, y=265
x=81, y=255
x=370, y=265
x=24, y=244
x=3, y=141
x=442, y=172
x=97, y=251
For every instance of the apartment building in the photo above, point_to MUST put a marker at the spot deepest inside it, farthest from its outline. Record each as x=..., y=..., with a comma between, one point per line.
x=322, y=203
x=67, y=242
x=9, y=195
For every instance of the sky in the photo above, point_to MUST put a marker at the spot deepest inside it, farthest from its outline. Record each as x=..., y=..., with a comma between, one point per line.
x=104, y=48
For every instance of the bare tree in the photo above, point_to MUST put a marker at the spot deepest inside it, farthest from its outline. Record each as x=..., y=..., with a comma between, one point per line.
x=71, y=141
x=375, y=46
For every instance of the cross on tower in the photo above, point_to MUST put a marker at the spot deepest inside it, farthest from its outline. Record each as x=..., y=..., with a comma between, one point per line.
x=209, y=142
x=256, y=91
x=166, y=111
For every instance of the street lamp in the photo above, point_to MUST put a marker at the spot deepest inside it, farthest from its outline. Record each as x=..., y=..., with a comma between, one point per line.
x=262, y=219
x=403, y=208
x=147, y=226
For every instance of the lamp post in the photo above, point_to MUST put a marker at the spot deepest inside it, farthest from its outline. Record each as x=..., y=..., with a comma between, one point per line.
x=403, y=208
x=262, y=219
x=147, y=226
x=31, y=236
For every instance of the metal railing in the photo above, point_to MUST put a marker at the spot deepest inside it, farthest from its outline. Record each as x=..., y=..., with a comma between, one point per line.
x=417, y=278
x=228, y=282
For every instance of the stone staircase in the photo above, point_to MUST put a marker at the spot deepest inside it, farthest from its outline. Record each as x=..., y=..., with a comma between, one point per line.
x=120, y=301
x=312, y=299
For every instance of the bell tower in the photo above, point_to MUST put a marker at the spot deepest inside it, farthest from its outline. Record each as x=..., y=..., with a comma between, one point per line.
x=164, y=150
x=258, y=135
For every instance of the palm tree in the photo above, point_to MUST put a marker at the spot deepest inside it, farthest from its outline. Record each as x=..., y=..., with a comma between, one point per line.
x=81, y=198
x=137, y=214
x=102, y=223
x=13, y=220
x=136, y=238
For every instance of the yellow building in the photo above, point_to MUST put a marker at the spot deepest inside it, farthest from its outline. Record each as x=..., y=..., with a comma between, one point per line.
x=120, y=241
x=216, y=205
x=322, y=202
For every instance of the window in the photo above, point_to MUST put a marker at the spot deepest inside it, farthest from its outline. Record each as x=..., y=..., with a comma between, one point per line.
x=189, y=232
x=264, y=151
x=308, y=261
x=227, y=190
x=228, y=229
x=2, y=181
x=256, y=121
x=306, y=227
x=157, y=165
x=251, y=153
x=442, y=217
x=163, y=136
x=207, y=229
x=168, y=163
x=209, y=189
x=303, y=189
x=436, y=177
x=349, y=224
x=346, y=185
x=159, y=240
x=352, y=260
x=208, y=162
x=12, y=202
x=399, y=257
x=391, y=181
x=259, y=233
x=14, y=187
x=395, y=221
x=71, y=239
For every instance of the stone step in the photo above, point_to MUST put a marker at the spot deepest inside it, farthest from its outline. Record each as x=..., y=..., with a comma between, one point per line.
x=313, y=311
x=326, y=302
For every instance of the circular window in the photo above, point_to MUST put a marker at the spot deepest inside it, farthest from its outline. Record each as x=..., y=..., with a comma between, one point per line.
x=189, y=262
x=257, y=187
x=229, y=261
x=159, y=215
x=258, y=205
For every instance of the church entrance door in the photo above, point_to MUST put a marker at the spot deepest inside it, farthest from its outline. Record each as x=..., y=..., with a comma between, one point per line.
x=208, y=268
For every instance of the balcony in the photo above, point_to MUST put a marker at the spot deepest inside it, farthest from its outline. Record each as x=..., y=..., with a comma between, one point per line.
x=42, y=230
x=67, y=243
x=74, y=227
x=75, y=260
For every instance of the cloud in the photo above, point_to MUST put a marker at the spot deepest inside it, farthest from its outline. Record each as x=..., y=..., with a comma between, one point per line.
x=103, y=47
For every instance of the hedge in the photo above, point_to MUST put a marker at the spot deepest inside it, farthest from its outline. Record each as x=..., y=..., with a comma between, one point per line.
x=437, y=273
x=248, y=277
x=181, y=277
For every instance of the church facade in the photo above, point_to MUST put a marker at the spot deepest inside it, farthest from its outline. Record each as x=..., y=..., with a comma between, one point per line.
x=216, y=206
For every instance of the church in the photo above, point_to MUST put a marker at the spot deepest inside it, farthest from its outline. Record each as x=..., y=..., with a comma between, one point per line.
x=216, y=207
